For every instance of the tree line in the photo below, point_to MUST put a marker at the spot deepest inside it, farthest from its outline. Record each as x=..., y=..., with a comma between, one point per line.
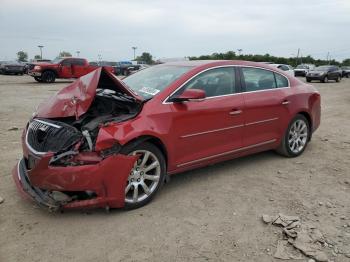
x=293, y=61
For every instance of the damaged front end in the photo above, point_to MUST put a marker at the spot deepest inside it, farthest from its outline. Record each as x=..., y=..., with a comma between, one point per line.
x=68, y=162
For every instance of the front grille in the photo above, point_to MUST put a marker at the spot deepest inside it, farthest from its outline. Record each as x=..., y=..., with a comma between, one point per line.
x=50, y=136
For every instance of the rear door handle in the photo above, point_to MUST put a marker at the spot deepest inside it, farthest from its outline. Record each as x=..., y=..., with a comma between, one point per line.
x=286, y=102
x=235, y=112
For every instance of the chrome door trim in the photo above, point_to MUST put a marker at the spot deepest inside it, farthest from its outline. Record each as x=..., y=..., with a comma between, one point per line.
x=227, y=153
x=262, y=121
x=211, y=131
x=165, y=102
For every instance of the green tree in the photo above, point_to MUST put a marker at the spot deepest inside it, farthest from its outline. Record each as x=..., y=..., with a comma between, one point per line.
x=145, y=57
x=37, y=57
x=64, y=54
x=346, y=62
x=22, y=56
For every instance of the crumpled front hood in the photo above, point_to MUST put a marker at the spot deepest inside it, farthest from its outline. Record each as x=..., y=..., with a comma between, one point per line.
x=76, y=98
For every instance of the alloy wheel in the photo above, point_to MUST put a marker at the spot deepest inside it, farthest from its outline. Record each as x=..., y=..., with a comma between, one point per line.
x=297, y=136
x=143, y=178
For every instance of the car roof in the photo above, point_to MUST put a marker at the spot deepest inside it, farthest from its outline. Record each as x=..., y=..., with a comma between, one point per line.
x=210, y=63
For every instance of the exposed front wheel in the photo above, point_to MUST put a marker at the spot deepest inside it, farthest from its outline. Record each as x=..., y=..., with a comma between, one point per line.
x=146, y=177
x=338, y=79
x=296, y=137
x=325, y=79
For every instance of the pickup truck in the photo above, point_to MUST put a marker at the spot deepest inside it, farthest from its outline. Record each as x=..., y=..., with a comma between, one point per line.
x=62, y=68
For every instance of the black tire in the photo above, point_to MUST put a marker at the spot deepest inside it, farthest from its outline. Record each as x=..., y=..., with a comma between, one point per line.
x=308, y=80
x=325, y=79
x=338, y=79
x=38, y=79
x=162, y=164
x=48, y=77
x=285, y=147
x=348, y=75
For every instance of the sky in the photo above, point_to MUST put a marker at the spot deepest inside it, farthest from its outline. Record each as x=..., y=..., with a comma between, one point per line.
x=178, y=28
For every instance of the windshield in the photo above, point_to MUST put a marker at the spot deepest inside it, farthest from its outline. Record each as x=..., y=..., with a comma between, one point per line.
x=322, y=68
x=302, y=67
x=149, y=82
x=57, y=60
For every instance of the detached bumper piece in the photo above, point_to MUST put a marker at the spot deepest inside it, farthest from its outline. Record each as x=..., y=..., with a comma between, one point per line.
x=106, y=180
x=39, y=196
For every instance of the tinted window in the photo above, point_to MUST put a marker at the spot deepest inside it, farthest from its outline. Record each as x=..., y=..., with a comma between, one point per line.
x=215, y=82
x=79, y=62
x=67, y=62
x=258, y=79
x=281, y=81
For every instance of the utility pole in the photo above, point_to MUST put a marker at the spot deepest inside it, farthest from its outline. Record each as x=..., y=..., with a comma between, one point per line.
x=41, y=51
x=297, y=56
x=134, y=48
x=78, y=52
x=328, y=58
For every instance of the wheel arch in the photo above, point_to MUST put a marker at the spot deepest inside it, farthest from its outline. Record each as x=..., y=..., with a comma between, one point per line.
x=150, y=139
x=308, y=118
x=50, y=70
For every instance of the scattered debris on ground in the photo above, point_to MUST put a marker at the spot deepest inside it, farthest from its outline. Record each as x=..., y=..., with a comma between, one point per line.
x=300, y=238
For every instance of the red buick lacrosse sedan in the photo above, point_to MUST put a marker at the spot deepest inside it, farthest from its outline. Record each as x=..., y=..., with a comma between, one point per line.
x=102, y=142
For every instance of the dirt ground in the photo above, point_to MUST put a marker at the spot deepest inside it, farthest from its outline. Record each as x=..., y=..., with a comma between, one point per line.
x=213, y=213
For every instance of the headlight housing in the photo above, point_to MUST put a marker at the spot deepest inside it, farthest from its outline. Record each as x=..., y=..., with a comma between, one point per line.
x=37, y=67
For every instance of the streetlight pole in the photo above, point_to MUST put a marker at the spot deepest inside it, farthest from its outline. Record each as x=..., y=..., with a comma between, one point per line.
x=78, y=52
x=134, y=48
x=41, y=51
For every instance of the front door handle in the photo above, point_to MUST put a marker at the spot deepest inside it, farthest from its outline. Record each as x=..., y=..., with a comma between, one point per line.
x=235, y=112
x=286, y=102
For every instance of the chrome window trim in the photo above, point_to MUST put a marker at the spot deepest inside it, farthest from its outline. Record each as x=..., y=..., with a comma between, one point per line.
x=227, y=153
x=165, y=102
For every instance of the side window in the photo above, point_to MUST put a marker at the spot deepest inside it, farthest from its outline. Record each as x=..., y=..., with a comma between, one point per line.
x=215, y=82
x=67, y=62
x=258, y=79
x=78, y=62
x=281, y=81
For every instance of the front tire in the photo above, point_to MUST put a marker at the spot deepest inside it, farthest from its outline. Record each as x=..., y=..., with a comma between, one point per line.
x=296, y=137
x=48, y=77
x=325, y=80
x=146, y=177
x=308, y=80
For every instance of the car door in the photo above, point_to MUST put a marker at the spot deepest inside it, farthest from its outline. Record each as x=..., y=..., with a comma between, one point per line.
x=78, y=67
x=267, y=97
x=203, y=130
x=66, y=68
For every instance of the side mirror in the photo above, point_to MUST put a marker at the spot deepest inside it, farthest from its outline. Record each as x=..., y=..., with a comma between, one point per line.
x=189, y=95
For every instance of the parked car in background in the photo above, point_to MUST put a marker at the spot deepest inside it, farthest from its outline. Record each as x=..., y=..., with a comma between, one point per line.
x=12, y=67
x=286, y=68
x=65, y=68
x=103, y=142
x=345, y=71
x=303, y=69
x=324, y=73
x=125, y=68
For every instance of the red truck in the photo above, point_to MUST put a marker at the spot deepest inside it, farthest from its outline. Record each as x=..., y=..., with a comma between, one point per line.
x=69, y=67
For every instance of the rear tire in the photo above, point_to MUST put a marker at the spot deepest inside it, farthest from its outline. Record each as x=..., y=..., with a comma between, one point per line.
x=147, y=182
x=308, y=80
x=48, y=77
x=296, y=137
